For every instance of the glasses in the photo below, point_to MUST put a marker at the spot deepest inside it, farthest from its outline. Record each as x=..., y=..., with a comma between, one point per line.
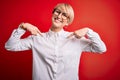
x=63, y=14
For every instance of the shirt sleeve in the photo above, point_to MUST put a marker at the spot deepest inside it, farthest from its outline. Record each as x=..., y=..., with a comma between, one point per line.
x=15, y=43
x=93, y=43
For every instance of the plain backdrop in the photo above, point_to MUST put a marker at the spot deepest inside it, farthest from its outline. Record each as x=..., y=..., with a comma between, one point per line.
x=103, y=16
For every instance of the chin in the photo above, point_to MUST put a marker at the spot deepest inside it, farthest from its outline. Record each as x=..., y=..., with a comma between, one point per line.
x=56, y=24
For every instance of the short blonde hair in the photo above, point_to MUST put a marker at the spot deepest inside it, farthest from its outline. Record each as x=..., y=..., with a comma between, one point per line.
x=69, y=10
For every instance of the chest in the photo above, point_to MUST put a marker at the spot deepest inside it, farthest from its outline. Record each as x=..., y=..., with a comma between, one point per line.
x=59, y=47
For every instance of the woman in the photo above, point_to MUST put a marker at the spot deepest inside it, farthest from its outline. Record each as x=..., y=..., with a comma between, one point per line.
x=56, y=53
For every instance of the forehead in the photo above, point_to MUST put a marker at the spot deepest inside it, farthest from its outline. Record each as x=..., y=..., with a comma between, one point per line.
x=62, y=8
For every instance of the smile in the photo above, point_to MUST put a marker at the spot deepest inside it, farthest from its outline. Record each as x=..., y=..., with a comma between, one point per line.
x=57, y=20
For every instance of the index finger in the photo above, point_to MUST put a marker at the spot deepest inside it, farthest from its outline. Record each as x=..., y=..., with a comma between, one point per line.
x=39, y=32
x=70, y=35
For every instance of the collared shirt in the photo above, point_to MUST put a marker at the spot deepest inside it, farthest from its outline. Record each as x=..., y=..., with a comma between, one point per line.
x=55, y=57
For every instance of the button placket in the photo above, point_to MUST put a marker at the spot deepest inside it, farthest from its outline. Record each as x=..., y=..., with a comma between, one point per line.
x=56, y=55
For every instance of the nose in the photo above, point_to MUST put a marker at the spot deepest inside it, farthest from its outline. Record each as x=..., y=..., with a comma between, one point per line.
x=60, y=15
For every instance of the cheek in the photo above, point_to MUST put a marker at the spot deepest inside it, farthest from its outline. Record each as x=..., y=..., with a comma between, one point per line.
x=65, y=22
x=54, y=16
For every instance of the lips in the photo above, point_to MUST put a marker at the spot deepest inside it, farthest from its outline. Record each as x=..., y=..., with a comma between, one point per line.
x=57, y=20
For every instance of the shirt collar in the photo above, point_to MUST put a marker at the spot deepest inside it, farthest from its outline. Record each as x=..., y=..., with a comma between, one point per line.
x=60, y=33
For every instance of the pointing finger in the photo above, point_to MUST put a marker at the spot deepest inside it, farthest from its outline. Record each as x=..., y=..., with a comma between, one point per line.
x=70, y=35
x=38, y=31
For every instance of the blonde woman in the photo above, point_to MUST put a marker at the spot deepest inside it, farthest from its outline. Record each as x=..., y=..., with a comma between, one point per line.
x=56, y=53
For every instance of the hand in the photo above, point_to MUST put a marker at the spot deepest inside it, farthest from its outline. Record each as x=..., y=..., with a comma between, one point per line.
x=79, y=33
x=31, y=28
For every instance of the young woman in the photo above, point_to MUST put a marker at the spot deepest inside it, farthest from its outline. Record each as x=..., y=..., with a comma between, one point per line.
x=56, y=53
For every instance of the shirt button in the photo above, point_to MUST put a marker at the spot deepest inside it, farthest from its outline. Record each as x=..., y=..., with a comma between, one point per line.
x=54, y=76
x=55, y=68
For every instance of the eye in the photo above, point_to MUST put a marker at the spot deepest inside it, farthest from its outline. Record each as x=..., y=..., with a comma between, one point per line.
x=58, y=11
x=65, y=15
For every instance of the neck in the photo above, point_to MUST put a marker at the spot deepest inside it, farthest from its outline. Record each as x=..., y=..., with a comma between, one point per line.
x=56, y=29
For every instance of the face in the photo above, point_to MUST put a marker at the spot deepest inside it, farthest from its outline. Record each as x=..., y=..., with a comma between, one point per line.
x=60, y=17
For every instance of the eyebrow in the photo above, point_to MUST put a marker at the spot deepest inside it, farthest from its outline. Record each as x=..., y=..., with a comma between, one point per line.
x=60, y=10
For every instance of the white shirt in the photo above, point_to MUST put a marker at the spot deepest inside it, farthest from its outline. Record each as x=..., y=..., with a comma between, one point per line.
x=55, y=57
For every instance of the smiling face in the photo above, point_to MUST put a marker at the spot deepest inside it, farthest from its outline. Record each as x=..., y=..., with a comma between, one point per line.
x=61, y=16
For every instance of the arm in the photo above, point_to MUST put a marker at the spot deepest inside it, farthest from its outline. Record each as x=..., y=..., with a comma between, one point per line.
x=15, y=43
x=91, y=44
x=94, y=42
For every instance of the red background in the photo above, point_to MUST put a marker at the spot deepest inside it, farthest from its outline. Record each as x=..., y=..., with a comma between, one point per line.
x=102, y=16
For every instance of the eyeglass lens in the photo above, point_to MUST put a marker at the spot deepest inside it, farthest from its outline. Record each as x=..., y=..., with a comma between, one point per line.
x=58, y=12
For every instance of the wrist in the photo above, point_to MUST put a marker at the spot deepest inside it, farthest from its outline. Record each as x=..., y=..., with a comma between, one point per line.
x=22, y=26
x=87, y=28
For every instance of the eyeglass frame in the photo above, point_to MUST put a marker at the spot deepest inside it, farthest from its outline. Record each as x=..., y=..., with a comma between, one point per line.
x=63, y=14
